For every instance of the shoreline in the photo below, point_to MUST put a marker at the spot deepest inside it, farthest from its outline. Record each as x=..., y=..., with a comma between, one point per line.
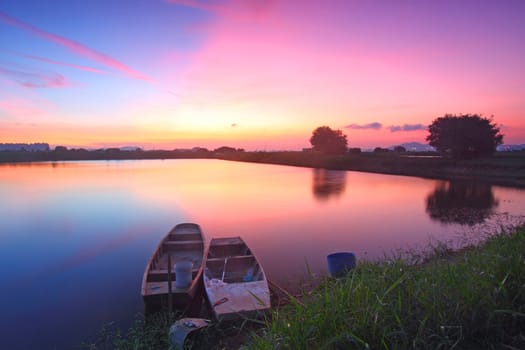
x=503, y=168
x=391, y=302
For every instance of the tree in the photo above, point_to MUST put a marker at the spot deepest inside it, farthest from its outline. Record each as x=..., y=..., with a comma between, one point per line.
x=463, y=136
x=225, y=149
x=381, y=150
x=328, y=141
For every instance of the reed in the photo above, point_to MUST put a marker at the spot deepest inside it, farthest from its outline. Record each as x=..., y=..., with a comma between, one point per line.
x=476, y=299
x=145, y=335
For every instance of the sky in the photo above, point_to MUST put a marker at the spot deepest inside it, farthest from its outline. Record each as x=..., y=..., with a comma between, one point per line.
x=259, y=75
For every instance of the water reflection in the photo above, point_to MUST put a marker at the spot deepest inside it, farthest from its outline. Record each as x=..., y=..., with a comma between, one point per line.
x=461, y=202
x=328, y=183
x=99, y=221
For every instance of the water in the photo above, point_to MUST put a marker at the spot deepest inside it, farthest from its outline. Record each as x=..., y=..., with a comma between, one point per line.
x=75, y=237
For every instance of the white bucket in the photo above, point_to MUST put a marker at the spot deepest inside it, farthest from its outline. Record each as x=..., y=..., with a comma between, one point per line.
x=183, y=274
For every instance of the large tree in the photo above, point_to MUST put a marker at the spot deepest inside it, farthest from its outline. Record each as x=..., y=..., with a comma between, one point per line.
x=328, y=141
x=463, y=136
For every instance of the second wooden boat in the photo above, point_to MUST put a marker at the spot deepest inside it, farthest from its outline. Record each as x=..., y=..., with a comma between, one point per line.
x=183, y=248
x=234, y=280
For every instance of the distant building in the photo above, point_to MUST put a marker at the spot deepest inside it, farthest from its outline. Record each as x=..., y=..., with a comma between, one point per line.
x=28, y=147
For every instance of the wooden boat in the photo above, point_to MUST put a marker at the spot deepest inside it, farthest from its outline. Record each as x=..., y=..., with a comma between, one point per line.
x=234, y=280
x=183, y=245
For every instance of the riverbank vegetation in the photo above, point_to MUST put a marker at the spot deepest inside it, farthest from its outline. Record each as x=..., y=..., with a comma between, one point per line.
x=502, y=168
x=473, y=299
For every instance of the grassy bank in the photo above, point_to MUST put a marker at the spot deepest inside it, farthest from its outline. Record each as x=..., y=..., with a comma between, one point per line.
x=504, y=168
x=475, y=300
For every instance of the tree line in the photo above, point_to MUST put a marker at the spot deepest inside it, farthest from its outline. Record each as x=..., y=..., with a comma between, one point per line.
x=457, y=136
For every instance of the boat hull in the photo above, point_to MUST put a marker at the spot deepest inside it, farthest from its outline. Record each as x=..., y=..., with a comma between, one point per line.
x=184, y=243
x=234, y=281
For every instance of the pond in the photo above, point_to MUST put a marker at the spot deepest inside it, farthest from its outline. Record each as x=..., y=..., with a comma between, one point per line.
x=75, y=236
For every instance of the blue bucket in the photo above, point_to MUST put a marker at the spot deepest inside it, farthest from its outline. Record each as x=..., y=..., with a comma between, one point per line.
x=339, y=263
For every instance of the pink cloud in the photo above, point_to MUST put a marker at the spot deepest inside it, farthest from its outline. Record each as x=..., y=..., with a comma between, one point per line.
x=75, y=47
x=374, y=126
x=18, y=107
x=286, y=58
x=47, y=60
x=305, y=64
x=35, y=80
x=407, y=127
x=238, y=9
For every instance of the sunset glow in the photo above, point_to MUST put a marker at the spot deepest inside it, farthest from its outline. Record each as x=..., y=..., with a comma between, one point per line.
x=259, y=75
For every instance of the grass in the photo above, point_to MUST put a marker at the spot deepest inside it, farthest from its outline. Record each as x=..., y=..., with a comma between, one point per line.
x=153, y=334
x=150, y=335
x=476, y=300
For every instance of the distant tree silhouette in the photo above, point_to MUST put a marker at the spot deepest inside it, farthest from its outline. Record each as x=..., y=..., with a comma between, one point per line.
x=464, y=136
x=60, y=149
x=400, y=149
x=354, y=150
x=381, y=150
x=224, y=149
x=328, y=141
x=461, y=202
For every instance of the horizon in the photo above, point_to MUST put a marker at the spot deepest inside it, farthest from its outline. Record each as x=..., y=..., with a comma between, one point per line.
x=258, y=75
x=417, y=147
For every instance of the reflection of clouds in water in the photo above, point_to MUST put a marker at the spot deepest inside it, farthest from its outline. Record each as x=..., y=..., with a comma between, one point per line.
x=87, y=254
x=328, y=183
x=461, y=202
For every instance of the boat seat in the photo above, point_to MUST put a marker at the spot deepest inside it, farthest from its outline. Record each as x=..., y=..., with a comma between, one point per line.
x=184, y=245
x=162, y=275
x=181, y=237
x=237, y=267
x=235, y=257
x=228, y=249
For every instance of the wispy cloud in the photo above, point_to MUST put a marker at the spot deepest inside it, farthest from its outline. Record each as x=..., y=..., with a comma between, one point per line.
x=374, y=126
x=392, y=128
x=48, y=60
x=241, y=10
x=407, y=127
x=198, y=5
x=17, y=107
x=35, y=80
x=75, y=47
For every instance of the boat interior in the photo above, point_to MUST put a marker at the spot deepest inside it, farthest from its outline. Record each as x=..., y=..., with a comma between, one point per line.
x=232, y=262
x=180, y=247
